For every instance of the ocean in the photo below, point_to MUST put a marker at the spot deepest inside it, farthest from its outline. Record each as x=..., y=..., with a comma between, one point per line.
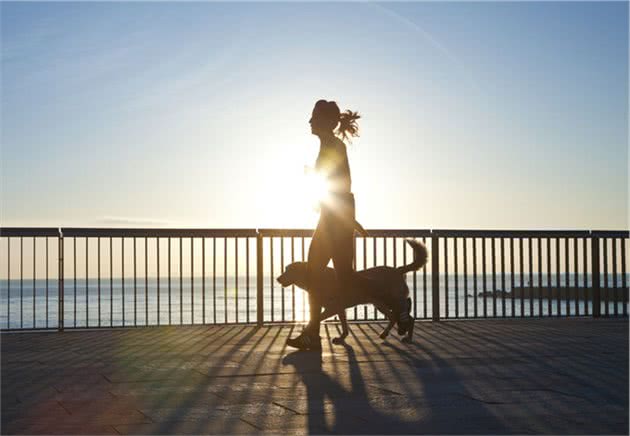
x=34, y=303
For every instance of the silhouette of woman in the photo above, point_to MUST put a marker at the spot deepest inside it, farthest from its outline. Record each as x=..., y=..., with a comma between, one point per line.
x=334, y=236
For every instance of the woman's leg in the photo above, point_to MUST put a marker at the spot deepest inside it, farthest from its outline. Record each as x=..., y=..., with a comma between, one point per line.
x=318, y=257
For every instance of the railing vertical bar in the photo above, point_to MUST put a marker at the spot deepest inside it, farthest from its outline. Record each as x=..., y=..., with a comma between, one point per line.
x=474, y=241
x=60, y=285
x=157, y=242
x=503, y=277
x=558, y=303
x=34, y=257
x=111, y=282
x=435, y=277
x=271, y=260
x=483, y=269
x=292, y=286
x=623, y=277
x=424, y=285
x=146, y=281
x=98, y=280
x=446, y=277
x=303, y=299
x=374, y=240
x=522, y=271
x=356, y=310
x=87, y=317
x=74, y=278
x=8, y=282
x=247, y=280
x=225, y=287
x=203, y=282
x=214, y=279
x=585, y=277
x=281, y=271
x=192, y=280
x=21, y=281
x=375, y=314
x=259, y=279
x=512, y=276
x=384, y=250
x=494, y=277
x=404, y=248
x=614, y=277
x=540, y=286
x=236, y=275
x=455, y=240
x=465, y=243
x=135, y=285
x=181, y=281
x=595, y=265
x=575, y=276
x=122, y=261
x=549, y=294
x=415, y=291
x=169, y=281
x=606, y=301
x=46, y=282
x=567, y=301
x=354, y=254
x=531, y=276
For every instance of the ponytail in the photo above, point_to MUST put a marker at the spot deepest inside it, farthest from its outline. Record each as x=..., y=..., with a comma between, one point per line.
x=348, y=127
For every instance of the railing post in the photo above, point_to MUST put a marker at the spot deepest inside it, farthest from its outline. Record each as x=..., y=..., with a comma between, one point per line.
x=60, y=286
x=435, y=275
x=595, y=269
x=259, y=279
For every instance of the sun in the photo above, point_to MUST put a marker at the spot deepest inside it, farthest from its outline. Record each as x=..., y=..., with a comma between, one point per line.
x=299, y=198
x=316, y=188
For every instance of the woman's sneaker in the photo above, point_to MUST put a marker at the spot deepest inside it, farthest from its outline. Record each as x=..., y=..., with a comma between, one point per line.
x=306, y=341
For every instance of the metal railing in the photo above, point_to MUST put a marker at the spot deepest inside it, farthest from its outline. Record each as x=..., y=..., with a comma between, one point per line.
x=99, y=277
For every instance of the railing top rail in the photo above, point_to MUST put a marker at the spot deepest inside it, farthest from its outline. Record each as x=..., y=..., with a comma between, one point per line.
x=156, y=233
x=611, y=233
x=278, y=232
x=29, y=231
x=512, y=233
x=307, y=233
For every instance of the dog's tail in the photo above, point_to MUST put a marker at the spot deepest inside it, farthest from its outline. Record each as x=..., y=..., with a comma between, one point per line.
x=420, y=257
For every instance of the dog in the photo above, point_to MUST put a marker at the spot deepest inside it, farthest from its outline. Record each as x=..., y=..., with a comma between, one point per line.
x=335, y=301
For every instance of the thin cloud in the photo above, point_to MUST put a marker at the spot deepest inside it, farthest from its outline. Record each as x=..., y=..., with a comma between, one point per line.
x=118, y=220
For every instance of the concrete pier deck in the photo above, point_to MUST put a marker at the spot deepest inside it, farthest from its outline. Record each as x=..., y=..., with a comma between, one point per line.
x=560, y=376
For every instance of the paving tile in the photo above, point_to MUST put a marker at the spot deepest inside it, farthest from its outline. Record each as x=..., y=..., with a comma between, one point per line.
x=57, y=428
x=220, y=426
x=194, y=412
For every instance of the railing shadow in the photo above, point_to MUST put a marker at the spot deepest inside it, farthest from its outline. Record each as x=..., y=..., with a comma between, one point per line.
x=354, y=410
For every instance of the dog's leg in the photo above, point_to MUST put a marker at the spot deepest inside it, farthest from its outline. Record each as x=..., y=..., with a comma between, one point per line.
x=344, y=328
x=388, y=329
x=388, y=313
x=327, y=313
x=407, y=339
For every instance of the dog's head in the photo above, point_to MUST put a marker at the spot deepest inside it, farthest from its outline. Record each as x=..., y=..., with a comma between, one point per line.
x=294, y=274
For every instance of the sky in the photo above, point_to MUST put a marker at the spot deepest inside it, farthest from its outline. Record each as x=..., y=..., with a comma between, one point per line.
x=494, y=115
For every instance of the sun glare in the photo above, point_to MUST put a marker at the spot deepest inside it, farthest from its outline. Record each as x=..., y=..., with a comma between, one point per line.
x=316, y=188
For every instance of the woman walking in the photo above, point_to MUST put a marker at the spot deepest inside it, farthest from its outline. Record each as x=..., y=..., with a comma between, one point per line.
x=334, y=236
